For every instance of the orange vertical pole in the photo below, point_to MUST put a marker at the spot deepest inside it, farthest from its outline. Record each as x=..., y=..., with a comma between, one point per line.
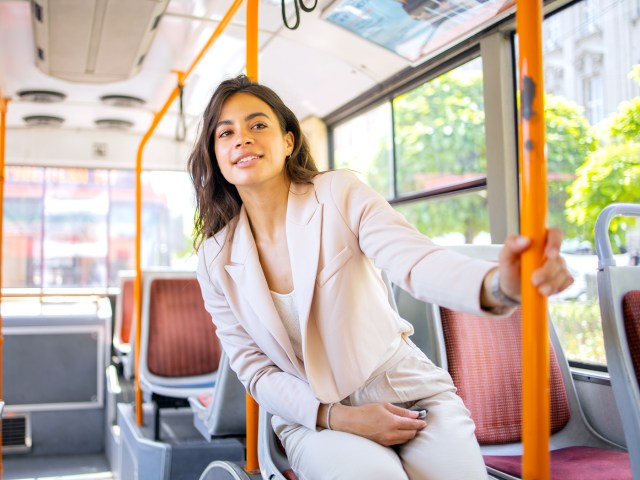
x=252, y=466
x=533, y=212
x=137, y=302
x=252, y=39
x=3, y=129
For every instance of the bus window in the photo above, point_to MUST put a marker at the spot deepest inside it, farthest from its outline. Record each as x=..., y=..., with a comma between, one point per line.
x=451, y=220
x=363, y=144
x=439, y=131
x=439, y=146
x=75, y=227
x=592, y=97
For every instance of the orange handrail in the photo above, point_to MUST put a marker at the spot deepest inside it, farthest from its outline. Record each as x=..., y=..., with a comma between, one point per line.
x=252, y=410
x=137, y=289
x=533, y=214
x=3, y=127
x=137, y=302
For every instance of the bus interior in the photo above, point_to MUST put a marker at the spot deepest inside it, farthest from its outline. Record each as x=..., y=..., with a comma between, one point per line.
x=101, y=102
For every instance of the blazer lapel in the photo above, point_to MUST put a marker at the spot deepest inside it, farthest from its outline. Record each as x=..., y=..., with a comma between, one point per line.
x=246, y=272
x=304, y=227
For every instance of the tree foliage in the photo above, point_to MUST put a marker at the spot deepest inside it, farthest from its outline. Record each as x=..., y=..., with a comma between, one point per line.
x=439, y=131
x=570, y=139
x=611, y=174
x=440, y=136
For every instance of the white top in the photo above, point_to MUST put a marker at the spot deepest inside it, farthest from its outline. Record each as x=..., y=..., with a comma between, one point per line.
x=288, y=310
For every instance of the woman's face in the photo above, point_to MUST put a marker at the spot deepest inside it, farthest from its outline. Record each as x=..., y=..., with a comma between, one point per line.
x=249, y=144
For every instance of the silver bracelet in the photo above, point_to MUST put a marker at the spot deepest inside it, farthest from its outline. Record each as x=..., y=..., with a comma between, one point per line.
x=498, y=294
x=329, y=416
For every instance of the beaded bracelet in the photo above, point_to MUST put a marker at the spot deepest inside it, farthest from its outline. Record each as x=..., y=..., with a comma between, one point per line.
x=329, y=416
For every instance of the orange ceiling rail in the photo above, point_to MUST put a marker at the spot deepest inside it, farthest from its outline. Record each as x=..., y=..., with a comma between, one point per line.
x=533, y=215
x=3, y=128
x=182, y=76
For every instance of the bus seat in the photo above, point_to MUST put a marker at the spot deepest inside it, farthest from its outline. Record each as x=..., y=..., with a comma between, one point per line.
x=619, y=298
x=221, y=411
x=272, y=458
x=123, y=321
x=179, y=351
x=483, y=356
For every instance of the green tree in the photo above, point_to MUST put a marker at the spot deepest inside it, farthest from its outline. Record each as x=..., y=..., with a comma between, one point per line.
x=611, y=173
x=570, y=139
x=440, y=136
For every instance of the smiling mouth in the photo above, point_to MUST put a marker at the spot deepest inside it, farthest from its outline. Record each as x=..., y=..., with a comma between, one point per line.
x=246, y=159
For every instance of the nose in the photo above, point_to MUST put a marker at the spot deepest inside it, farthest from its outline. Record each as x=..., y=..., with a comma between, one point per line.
x=244, y=138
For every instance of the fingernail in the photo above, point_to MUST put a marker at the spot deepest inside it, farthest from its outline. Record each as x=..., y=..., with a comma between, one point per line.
x=522, y=241
x=546, y=290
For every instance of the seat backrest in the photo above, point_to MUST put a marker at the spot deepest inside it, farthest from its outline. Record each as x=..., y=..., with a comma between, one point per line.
x=124, y=310
x=179, y=347
x=271, y=456
x=476, y=349
x=619, y=298
x=484, y=358
x=226, y=415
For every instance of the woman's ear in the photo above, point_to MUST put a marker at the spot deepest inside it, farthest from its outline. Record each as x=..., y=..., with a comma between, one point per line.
x=290, y=141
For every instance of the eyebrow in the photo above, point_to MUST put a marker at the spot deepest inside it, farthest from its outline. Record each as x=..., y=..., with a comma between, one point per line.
x=246, y=119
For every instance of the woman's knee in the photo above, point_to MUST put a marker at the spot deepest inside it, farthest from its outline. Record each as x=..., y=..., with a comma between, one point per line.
x=350, y=470
x=341, y=456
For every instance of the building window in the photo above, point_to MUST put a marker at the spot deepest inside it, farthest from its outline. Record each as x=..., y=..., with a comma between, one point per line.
x=590, y=21
x=593, y=98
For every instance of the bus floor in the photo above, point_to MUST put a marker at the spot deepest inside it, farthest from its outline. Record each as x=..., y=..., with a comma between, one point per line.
x=60, y=467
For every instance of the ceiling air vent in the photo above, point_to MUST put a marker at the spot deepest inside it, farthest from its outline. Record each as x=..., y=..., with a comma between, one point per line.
x=113, y=123
x=122, y=101
x=41, y=96
x=94, y=40
x=43, y=121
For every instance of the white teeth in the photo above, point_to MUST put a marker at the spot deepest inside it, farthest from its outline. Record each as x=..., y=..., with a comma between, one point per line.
x=246, y=159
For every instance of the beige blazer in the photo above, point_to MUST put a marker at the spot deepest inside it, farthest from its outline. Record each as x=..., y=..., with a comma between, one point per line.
x=340, y=232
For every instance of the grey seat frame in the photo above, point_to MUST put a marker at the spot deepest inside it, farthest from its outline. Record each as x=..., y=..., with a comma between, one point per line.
x=613, y=283
x=226, y=414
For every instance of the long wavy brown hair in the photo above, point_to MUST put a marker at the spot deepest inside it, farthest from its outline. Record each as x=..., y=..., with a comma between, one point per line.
x=218, y=201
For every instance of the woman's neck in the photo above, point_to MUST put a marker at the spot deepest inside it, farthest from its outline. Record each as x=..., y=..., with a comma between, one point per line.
x=267, y=211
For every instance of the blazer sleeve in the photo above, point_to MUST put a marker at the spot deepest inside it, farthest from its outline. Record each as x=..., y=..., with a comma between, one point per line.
x=264, y=381
x=427, y=271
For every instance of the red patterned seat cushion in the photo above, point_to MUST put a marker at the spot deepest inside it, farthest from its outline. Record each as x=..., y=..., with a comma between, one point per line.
x=631, y=312
x=182, y=339
x=127, y=309
x=572, y=463
x=484, y=356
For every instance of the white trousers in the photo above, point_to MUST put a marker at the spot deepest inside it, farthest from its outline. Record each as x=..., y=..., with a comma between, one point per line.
x=446, y=449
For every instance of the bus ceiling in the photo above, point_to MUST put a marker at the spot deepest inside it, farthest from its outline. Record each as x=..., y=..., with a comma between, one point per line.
x=92, y=52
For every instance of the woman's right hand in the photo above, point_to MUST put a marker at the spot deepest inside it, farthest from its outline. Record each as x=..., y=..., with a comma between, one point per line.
x=383, y=423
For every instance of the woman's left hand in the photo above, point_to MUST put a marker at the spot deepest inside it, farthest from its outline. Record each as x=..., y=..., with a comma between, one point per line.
x=552, y=277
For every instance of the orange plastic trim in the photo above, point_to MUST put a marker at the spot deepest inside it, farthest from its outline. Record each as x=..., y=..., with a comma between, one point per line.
x=533, y=214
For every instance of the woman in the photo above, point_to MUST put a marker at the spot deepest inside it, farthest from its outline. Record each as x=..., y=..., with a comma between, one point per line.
x=288, y=266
